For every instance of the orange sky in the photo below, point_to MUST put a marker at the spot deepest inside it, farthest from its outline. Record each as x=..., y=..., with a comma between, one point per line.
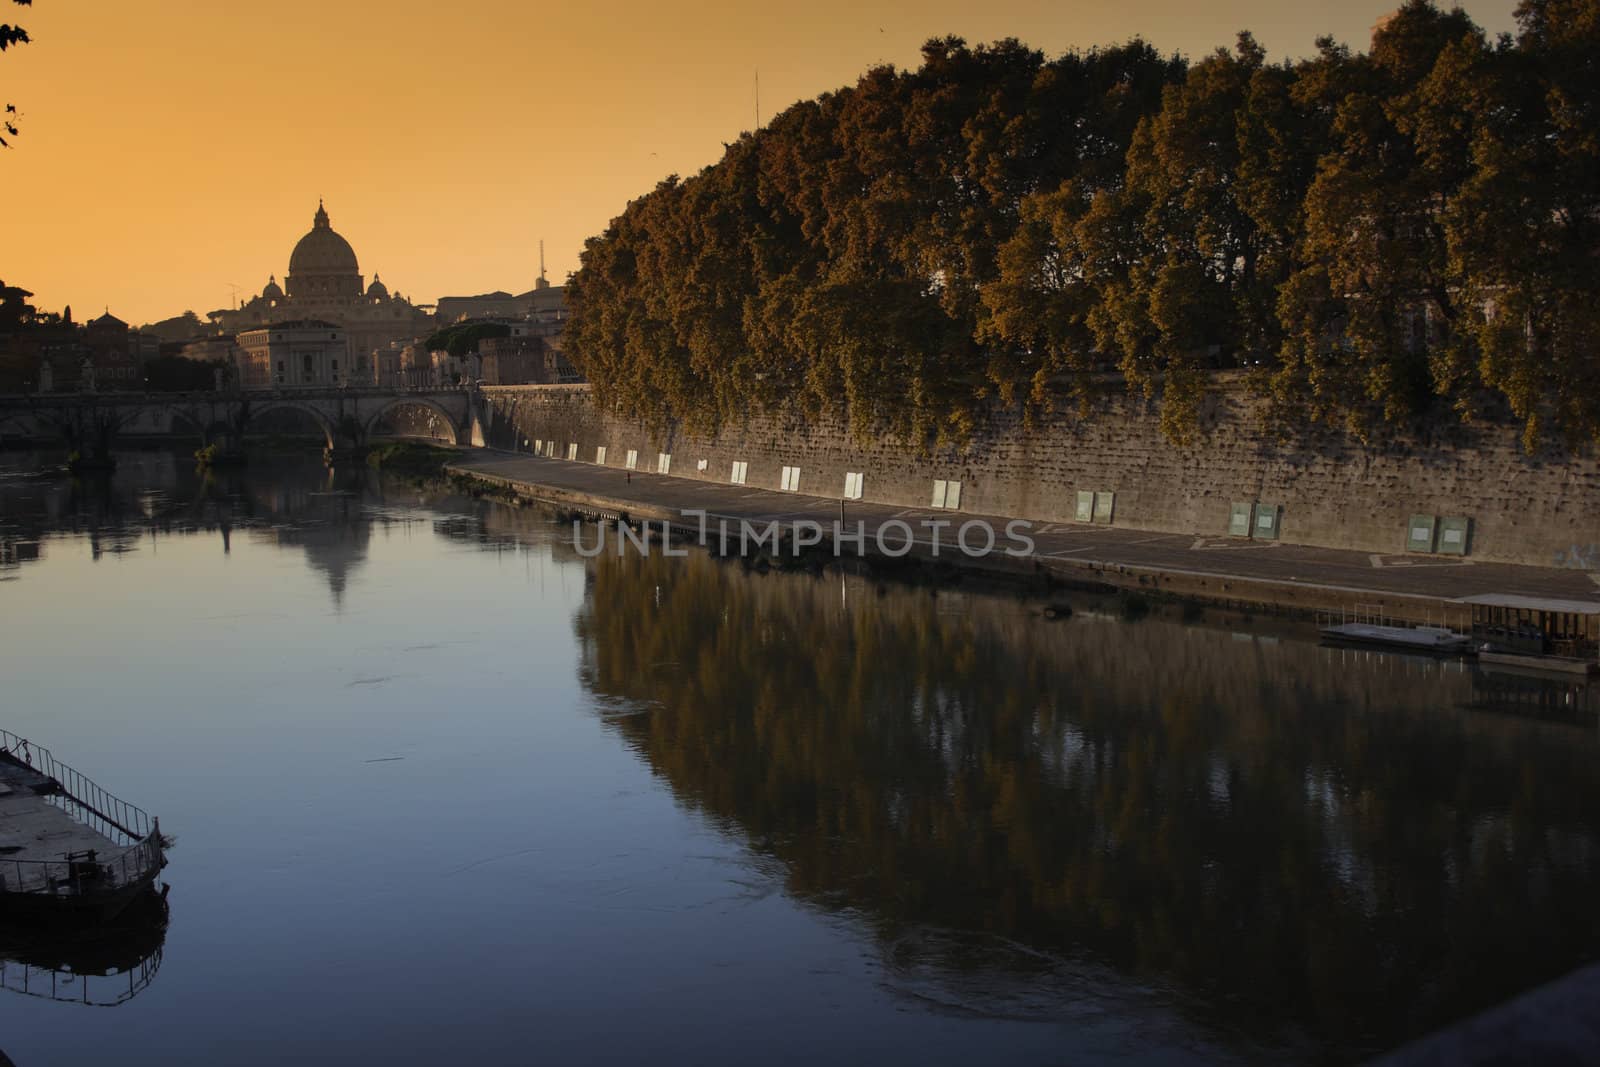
x=171, y=148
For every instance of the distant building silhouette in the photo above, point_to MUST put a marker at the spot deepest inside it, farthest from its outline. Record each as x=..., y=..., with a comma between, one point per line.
x=300, y=354
x=325, y=285
x=544, y=305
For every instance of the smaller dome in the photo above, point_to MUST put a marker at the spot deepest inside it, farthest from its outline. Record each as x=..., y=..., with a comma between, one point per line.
x=377, y=290
x=272, y=291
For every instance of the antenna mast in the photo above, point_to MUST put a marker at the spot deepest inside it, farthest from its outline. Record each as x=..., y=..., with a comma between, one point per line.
x=758, y=99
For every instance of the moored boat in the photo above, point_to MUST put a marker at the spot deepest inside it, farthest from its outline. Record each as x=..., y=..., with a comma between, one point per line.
x=1437, y=640
x=69, y=851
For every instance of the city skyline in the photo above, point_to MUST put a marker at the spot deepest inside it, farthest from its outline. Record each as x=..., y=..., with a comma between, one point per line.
x=445, y=166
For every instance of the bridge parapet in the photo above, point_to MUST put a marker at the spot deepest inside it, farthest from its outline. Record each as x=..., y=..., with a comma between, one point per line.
x=346, y=415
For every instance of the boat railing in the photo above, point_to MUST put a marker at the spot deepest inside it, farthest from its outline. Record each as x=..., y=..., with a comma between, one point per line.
x=84, y=873
x=1375, y=615
x=79, y=796
x=78, y=987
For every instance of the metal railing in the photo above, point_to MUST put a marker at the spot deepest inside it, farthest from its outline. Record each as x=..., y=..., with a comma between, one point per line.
x=80, y=797
x=76, y=987
x=1376, y=615
x=84, y=873
x=133, y=830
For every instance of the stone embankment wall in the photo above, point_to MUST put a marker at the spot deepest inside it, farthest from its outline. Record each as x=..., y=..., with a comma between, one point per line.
x=1333, y=491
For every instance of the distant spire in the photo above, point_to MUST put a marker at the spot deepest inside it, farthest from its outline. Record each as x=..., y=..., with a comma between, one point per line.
x=321, y=219
x=541, y=258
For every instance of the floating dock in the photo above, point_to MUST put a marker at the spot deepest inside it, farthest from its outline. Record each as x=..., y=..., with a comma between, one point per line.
x=1543, y=664
x=68, y=849
x=1537, y=633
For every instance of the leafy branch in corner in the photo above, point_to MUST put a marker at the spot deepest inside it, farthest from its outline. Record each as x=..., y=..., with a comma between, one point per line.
x=9, y=36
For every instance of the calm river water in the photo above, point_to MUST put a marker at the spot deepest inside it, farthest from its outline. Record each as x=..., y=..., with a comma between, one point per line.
x=444, y=792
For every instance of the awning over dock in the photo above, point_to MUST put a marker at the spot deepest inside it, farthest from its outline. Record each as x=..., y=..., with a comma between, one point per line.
x=1540, y=626
x=1533, y=603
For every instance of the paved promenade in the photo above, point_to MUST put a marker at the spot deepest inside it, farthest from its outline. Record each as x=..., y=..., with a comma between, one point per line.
x=1208, y=565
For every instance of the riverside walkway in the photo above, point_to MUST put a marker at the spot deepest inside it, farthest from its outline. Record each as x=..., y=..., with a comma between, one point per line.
x=1209, y=566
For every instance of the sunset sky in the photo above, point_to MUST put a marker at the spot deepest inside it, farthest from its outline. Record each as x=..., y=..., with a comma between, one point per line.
x=172, y=149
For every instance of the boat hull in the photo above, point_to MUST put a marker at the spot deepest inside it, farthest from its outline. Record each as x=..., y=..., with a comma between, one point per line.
x=74, y=908
x=1399, y=639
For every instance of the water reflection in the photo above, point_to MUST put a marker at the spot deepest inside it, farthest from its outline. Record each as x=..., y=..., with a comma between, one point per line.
x=102, y=967
x=1179, y=825
x=293, y=503
x=1299, y=844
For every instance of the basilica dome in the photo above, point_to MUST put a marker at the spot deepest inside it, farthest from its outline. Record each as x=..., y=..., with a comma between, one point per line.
x=322, y=251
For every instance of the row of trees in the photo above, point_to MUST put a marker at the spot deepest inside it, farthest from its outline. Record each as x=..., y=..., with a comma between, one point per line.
x=1370, y=233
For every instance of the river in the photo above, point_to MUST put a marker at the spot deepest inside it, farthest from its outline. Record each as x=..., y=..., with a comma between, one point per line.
x=445, y=792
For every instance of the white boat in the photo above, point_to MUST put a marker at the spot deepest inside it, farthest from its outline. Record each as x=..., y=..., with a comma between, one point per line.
x=1435, y=639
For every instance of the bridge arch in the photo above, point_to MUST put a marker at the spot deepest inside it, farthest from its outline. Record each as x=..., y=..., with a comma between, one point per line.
x=324, y=423
x=29, y=423
x=180, y=418
x=177, y=416
x=450, y=422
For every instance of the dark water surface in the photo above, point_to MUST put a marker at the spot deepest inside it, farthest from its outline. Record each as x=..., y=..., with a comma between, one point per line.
x=443, y=792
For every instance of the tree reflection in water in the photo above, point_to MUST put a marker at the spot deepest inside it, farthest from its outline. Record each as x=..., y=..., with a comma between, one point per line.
x=1300, y=844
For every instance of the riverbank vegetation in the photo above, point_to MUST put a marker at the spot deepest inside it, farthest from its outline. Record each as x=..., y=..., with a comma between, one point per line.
x=1370, y=235
x=411, y=458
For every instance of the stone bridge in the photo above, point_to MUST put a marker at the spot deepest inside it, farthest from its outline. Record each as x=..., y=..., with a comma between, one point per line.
x=90, y=422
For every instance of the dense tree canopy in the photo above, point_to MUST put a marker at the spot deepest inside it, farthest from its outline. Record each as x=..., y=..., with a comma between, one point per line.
x=1373, y=234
